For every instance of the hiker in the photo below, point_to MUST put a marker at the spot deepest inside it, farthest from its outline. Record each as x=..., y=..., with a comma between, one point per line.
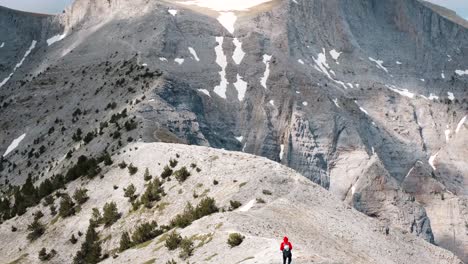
x=286, y=248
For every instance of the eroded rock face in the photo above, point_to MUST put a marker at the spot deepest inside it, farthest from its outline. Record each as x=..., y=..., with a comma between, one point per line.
x=366, y=98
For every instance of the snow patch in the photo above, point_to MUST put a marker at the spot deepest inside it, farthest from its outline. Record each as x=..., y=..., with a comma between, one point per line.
x=248, y=206
x=461, y=73
x=228, y=20
x=33, y=45
x=240, y=138
x=56, y=38
x=305, y=103
x=460, y=124
x=162, y=59
x=403, y=92
x=447, y=135
x=266, y=74
x=272, y=102
x=399, y=63
x=432, y=159
x=379, y=64
x=451, y=97
x=14, y=144
x=226, y=5
x=433, y=96
x=221, y=60
x=281, y=154
x=241, y=87
x=239, y=54
x=205, y=91
x=442, y=75
x=3, y=45
x=300, y=61
x=179, y=60
x=336, y=102
x=335, y=55
x=194, y=53
x=173, y=12
x=362, y=109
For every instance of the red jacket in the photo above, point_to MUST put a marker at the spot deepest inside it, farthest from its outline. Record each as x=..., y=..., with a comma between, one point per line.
x=284, y=243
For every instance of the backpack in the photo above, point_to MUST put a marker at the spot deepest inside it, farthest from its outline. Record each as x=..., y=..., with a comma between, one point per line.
x=286, y=250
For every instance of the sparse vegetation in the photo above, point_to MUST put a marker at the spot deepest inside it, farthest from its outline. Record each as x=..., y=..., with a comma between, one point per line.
x=173, y=163
x=235, y=239
x=182, y=174
x=173, y=240
x=44, y=256
x=167, y=172
x=80, y=196
x=146, y=232
x=234, y=205
x=206, y=207
x=132, y=169
x=186, y=246
x=125, y=242
x=36, y=229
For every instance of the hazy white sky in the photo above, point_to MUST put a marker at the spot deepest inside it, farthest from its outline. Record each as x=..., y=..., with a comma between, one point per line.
x=56, y=6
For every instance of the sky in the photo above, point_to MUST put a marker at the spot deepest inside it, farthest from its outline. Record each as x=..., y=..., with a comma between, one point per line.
x=56, y=6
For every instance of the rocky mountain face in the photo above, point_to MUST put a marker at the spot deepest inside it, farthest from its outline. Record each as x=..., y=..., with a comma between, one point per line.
x=366, y=98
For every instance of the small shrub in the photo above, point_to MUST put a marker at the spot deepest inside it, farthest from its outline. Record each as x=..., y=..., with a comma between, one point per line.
x=73, y=239
x=215, y=182
x=173, y=240
x=122, y=165
x=235, y=239
x=234, y=205
x=125, y=242
x=267, y=192
x=132, y=169
x=36, y=229
x=38, y=215
x=173, y=163
x=147, y=176
x=80, y=196
x=260, y=200
x=186, y=246
x=172, y=261
x=182, y=174
x=146, y=232
x=167, y=172
x=44, y=256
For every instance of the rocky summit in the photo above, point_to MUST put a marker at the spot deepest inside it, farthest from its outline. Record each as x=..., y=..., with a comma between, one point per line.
x=122, y=127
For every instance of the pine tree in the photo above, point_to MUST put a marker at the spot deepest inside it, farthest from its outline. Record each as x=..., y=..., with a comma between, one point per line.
x=125, y=242
x=129, y=192
x=90, y=252
x=147, y=176
x=66, y=206
x=110, y=215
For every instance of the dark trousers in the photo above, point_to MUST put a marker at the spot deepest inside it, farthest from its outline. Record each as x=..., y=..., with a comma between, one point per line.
x=287, y=257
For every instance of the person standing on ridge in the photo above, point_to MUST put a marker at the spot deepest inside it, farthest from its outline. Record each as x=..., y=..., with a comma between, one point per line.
x=286, y=248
